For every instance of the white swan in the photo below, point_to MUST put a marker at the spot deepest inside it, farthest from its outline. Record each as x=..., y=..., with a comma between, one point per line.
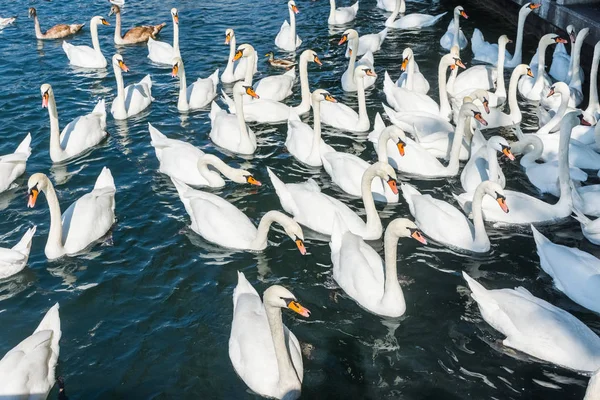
x=370, y=42
x=317, y=211
x=574, y=272
x=454, y=35
x=590, y=228
x=593, y=389
x=483, y=165
x=497, y=118
x=229, y=131
x=346, y=170
x=86, y=56
x=348, y=80
x=343, y=117
x=162, y=52
x=532, y=87
x=359, y=270
x=87, y=220
x=220, y=222
x=560, y=69
x=28, y=369
x=390, y=5
x=263, y=351
x=287, y=39
x=13, y=260
x=341, y=15
x=199, y=94
x=306, y=57
x=233, y=73
x=304, y=142
x=592, y=112
x=488, y=52
x=79, y=135
x=446, y=224
x=410, y=21
x=190, y=165
x=531, y=210
x=134, y=98
x=13, y=165
x=411, y=78
x=536, y=327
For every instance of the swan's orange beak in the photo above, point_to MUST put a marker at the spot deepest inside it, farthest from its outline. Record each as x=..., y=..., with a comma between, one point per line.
x=295, y=9
x=533, y=6
x=486, y=105
x=238, y=55
x=343, y=40
x=464, y=15
x=529, y=73
x=551, y=92
x=502, y=202
x=404, y=64
x=175, y=71
x=297, y=307
x=584, y=122
x=227, y=38
x=122, y=65
x=250, y=92
x=300, y=245
x=393, y=185
x=33, y=194
x=105, y=22
x=316, y=60
x=560, y=40
x=401, y=146
x=45, y=100
x=251, y=180
x=369, y=72
x=418, y=236
x=479, y=118
x=459, y=63
x=176, y=19
x=330, y=98
x=506, y=151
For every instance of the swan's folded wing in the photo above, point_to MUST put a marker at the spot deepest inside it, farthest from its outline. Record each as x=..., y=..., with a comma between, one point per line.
x=9, y=256
x=442, y=221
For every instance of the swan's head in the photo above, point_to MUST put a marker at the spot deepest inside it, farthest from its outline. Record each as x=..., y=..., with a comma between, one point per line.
x=385, y=172
x=504, y=40
x=322, y=95
x=279, y=297
x=242, y=89
x=98, y=20
x=482, y=96
x=362, y=70
x=495, y=191
x=311, y=56
x=522, y=69
x=529, y=7
x=461, y=11
x=114, y=9
x=243, y=176
x=574, y=118
x=243, y=50
x=560, y=88
x=500, y=144
x=348, y=35
x=229, y=35
x=37, y=183
x=294, y=231
x=552, y=38
x=407, y=54
x=117, y=62
x=570, y=32
x=404, y=227
x=177, y=64
x=46, y=91
x=469, y=109
x=32, y=12
x=292, y=6
x=397, y=135
x=175, y=15
x=452, y=59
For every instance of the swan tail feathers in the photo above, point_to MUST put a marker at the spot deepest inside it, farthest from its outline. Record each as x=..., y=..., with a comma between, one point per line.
x=337, y=233
x=215, y=77
x=105, y=180
x=478, y=292
x=285, y=197
x=378, y=127
x=66, y=48
x=477, y=40
x=147, y=80
x=355, y=6
x=368, y=57
x=100, y=108
x=242, y=287
x=158, y=139
x=580, y=216
x=291, y=73
x=51, y=322
x=293, y=116
x=408, y=192
x=24, y=244
x=539, y=238
x=25, y=146
x=387, y=80
x=228, y=101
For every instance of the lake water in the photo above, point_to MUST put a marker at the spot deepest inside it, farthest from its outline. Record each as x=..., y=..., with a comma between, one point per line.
x=149, y=316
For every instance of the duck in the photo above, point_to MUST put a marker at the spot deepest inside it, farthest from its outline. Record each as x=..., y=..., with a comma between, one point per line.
x=341, y=15
x=86, y=56
x=78, y=136
x=316, y=210
x=363, y=275
x=264, y=353
x=134, y=98
x=56, y=32
x=85, y=222
x=410, y=21
x=137, y=34
x=346, y=170
x=162, y=53
x=411, y=78
x=536, y=327
x=13, y=260
x=371, y=42
x=348, y=82
x=343, y=117
x=573, y=271
x=454, y=35
x=199, y=94
x=13, y=165
x=29, y=368
x=488, y=52
x=532, y=87
x=190, y=165
x=305, y=104
x=483, y=165
x=446, y=224
x=560, y=69
x=220, y=222
x=304, y=142
x=279, y=62
x=235, y=73
x=590, y=228
x=229, y=131
x=287, y=39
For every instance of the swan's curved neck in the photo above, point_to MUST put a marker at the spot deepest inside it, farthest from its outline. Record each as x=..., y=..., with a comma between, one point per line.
x=231, y=53
x=576, y=56
x=214, y=161
x=373, y=223
x=459, y=132
x=395, y=13
x=250, y=68
x=118, y=37
x=513, y=104
x=288, y=379
x=382, y=153
x=332, y=9
x=56, y=151
x=352, y=62
x=182, y=103
x=262, y=232
x=531, y=155
x=363, y=117
x=94, y=33
x=444, y=103
x=176, y=39
x=120, y=99
x=564, y=177
x=315, y=151
x=541, y=69
x=518, y=55
x=292, y=34
x=304, y=86
x=558, y=116
x=38, y=29
x=500, y=85
x=410, y=73
x=481, y=237
x=239, y=111
x=54, y=242
x=493, y=166
x=456, y=29
x=593, y=105
x=391, y=288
